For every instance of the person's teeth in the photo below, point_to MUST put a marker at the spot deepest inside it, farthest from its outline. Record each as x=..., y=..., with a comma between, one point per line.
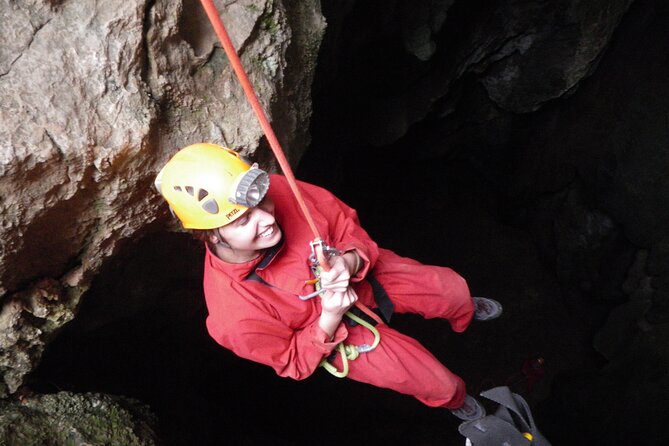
x=266, y=233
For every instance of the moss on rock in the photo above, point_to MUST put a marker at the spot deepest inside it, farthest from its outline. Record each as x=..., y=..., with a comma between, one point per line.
x=67, y=419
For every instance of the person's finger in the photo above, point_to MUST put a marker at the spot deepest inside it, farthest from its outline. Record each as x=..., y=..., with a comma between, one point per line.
x=351, y=296
x=334, y=274
x=338, y=281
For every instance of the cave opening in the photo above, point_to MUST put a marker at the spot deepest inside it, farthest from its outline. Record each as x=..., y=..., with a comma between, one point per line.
x=471, y=192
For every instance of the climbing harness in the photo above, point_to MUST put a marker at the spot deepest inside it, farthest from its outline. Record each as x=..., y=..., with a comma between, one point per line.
x=348, y=352
x=318, y=246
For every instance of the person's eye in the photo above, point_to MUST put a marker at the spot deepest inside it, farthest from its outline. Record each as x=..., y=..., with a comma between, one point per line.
x=242, y=221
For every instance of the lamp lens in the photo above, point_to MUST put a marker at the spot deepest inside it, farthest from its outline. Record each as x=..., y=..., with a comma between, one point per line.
x=252, y=188
x=253, y=196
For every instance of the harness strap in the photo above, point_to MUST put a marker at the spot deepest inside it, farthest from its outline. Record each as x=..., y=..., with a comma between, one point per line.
x=383, y=302
x=384, y=306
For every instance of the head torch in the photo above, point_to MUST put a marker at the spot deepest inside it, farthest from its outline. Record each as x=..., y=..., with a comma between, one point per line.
x=250, y=187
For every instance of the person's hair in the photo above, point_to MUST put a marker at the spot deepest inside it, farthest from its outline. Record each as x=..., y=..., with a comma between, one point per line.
x=204, y=234
x=201, y=234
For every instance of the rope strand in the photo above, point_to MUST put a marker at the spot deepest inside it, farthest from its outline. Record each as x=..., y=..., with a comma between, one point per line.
x=251, y=96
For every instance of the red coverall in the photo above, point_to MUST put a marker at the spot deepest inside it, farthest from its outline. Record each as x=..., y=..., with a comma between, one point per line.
x=269, y=324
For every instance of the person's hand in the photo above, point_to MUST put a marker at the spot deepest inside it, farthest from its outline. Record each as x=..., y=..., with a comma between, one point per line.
x=338, y=303
x=333, y=307
x=337, y=279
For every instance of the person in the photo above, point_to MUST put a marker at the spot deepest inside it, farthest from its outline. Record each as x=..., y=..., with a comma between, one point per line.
x=258, y=280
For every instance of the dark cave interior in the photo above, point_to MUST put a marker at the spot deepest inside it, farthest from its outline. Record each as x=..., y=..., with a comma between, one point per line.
x=453, y=196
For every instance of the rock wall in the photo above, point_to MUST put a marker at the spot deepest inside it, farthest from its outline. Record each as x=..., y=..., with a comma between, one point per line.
x=95, y=97
x=424, y=57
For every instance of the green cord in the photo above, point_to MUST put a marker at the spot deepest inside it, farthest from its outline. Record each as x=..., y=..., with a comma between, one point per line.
x=348, y=352
x=351, y=352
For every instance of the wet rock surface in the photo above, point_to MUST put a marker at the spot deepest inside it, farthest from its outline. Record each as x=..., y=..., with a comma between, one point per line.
x=64, y=418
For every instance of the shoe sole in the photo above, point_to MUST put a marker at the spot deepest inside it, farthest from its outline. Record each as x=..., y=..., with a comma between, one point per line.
x=494, y=316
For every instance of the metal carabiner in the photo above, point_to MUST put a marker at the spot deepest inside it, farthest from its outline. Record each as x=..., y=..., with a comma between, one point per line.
x=328, y=252
x=312, y=295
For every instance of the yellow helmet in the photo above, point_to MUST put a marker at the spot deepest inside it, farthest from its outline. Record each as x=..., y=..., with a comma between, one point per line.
x=208, y=186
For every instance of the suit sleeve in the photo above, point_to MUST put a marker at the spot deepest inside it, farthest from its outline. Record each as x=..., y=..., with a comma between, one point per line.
x=255, y=333
x=346, y=234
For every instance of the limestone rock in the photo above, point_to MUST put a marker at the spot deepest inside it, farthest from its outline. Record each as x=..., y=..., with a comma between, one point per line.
x=95, y=97
x=543, y=56
x=27, y=320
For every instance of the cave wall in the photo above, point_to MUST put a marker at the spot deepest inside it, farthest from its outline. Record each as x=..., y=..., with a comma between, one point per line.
x=423, y=56
x=95, y=97
x=561, y=107
x=512, y=89
x=519, y=90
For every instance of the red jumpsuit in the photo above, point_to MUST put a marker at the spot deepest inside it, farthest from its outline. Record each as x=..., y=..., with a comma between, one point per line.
x=269, y=324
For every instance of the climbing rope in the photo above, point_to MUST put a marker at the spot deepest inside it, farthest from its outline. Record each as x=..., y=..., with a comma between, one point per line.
x=252, y=98
x=318, y=245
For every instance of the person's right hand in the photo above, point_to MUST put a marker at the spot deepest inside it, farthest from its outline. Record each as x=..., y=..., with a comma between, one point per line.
x=337, y=278
x=333, y=307
x=338, y=303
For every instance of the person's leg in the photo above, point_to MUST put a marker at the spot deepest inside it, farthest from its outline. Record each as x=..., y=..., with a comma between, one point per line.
x=402, y=364
x=431, y=291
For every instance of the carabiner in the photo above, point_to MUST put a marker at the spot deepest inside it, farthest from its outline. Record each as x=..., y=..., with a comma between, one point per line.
x=312, y=295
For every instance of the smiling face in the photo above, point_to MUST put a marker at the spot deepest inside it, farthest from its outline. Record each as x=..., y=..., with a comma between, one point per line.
x=249, y=234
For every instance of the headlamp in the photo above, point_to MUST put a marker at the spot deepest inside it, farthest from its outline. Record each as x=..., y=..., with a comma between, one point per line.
x=250, y=187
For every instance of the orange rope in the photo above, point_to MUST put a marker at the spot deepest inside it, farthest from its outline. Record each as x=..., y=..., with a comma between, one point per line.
x=251, y=96
x=236, y=63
